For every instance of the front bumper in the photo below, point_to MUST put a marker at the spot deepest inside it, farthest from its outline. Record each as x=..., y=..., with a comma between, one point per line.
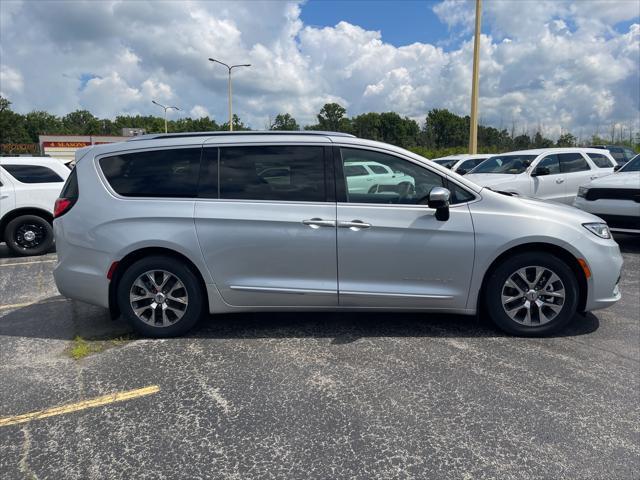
x=606, y=268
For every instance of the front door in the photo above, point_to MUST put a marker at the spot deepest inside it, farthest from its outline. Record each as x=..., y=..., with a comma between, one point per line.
x=267, y=230
x=392, y=251
x=577, y=171
x=553, y=186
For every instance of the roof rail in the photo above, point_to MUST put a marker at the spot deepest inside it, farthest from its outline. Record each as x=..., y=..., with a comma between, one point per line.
x=157, y=136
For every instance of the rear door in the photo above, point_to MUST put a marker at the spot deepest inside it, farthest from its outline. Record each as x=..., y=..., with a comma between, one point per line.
x=553, y=186
x=7, y=198
x=577, y=172
x=265, y=221
x=392, y=251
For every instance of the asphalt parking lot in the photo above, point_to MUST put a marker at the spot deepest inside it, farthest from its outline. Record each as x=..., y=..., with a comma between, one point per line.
x=313, y=395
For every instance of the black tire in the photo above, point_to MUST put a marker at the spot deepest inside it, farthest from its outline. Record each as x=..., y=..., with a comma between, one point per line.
x=194, y=294
x=18, y=234
x=495, y=285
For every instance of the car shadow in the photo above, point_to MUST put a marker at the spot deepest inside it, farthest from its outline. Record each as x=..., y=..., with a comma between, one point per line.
x=6, y=253
x=63, y=319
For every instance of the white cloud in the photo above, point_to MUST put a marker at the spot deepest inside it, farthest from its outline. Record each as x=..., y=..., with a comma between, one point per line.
x=559, y=64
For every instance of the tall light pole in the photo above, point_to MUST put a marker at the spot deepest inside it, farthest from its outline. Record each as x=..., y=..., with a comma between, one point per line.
x=229, y=68
x=165, y=107
x=473, y=129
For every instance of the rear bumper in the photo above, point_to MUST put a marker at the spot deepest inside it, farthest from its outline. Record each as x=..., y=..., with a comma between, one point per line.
x=83, y=274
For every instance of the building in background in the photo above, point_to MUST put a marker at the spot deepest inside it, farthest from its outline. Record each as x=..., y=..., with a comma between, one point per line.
x=65, y=146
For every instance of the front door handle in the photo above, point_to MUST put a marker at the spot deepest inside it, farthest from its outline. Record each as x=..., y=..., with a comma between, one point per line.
x=593, y=177
x=559, y=180
x=318, y=222
x=354, y=225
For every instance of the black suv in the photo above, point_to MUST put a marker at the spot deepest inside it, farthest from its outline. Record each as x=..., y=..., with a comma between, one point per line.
x=620, y=154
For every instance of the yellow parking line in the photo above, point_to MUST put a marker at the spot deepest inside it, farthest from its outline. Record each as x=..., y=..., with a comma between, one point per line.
x=25, y=263
x=20, y=305
x=74, y=407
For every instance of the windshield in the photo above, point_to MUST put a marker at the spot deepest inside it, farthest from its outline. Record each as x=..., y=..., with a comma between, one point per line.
x=508, y=164
x=447, y=162
x=632, y=165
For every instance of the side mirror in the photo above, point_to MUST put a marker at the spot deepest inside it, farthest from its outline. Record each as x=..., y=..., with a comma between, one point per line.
x=461, y=171
x=439, y=199
x=617, y=167
x=540, y=171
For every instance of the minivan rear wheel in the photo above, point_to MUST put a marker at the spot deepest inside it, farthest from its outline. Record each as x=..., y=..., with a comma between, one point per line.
x=29, y=235
x=160, y=297
x=532, y=294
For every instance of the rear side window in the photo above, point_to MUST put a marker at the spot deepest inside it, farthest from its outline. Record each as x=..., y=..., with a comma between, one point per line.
x=154, y=173
x=70, y=189
x=32, y=174
x=379, y=169
x=286, y=173
x=600, y=160
x=354, y=170
x=572, y=162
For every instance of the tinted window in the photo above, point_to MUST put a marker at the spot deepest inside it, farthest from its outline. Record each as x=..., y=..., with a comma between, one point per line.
x=632, y=165
x=470, y=164
x=572, y=162
x=629, y=154
x=70, y=189
x=290, y=173
x=354, y=170
x=600, y=160
x=32, y=174
x=155, y=173
x=509, y=164
x=377, y=169
x=617, y=153
x=449, y=163
x=409, y=184
x=552, y=163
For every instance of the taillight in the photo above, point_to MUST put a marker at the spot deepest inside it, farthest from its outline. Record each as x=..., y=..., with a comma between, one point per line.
x=62, y=206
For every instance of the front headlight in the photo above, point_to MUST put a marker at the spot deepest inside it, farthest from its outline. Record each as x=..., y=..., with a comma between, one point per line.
x=599, y=229
x=583, y=191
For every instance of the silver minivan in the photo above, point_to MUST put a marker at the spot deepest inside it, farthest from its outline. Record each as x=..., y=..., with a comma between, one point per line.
x=164, y=228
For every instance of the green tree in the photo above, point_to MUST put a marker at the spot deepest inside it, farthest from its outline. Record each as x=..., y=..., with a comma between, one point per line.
x=331, y=118
x=42, y=123
x=522, y=142
x=541, y=142
x=12, y=125
x=566, y=140
x=284, y=121
x=445, y=129
x=237, y=125
x=81, y=122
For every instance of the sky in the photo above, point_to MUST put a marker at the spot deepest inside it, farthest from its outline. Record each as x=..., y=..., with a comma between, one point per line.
x=554, y=65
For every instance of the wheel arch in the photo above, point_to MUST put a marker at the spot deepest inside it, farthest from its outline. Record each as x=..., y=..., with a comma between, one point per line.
x=138, y=254
x=18, y=212
x=555, y=250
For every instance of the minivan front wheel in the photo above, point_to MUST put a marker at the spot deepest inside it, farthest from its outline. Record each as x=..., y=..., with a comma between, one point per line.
x=532, y=294
x=160, y=297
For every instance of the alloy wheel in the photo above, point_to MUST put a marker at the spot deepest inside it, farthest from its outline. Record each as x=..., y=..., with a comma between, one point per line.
x=158, y=298
x=533, y=296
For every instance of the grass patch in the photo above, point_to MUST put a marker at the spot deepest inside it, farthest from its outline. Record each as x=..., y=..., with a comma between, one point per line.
x=81, y=348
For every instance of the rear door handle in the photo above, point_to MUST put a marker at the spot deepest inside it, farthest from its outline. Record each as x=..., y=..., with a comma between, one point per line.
x=559, y=180
x=593, y=177
x=354, y=225
x=318, y=222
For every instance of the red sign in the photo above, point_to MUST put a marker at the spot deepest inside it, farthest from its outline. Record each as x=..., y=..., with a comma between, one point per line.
x=66, y=144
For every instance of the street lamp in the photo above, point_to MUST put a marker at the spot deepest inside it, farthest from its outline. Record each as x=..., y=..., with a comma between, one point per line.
x=165, y=107
x=229, y=68
x=473, y=124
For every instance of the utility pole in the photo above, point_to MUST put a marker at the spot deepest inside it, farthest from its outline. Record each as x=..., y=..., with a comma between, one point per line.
x=165, y=107
x=229, y=68
x=473, y=129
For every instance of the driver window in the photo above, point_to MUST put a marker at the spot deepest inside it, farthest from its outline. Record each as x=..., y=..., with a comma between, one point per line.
x=408, y=184
x=552, y=163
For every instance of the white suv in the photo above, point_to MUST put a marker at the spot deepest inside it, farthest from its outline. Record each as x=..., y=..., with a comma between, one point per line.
x=549, y=173
x=29, y=187
x=374, y=177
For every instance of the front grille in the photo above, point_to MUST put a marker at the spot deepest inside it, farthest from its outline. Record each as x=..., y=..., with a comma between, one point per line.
x=621, y=221
x=632, y=194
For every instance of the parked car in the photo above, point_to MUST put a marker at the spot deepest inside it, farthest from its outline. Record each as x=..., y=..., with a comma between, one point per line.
x=372, y=177
x=163, y=228
x=462, y=164
x=549, y=174
x=29, y=186
x=615, y=198
x=619, y=153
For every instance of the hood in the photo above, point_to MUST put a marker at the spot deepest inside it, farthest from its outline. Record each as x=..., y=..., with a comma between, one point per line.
x=617, y=180
x=491, y=179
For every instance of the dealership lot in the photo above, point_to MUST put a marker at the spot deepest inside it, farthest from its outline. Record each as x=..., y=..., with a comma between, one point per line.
x=323, y=395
